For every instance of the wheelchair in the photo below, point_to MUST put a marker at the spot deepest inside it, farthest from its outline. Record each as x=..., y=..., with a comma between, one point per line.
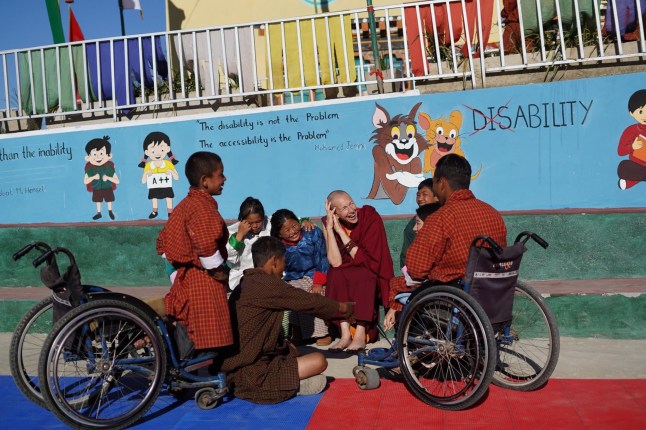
x=106, y=358
x=29, y=335
x=451, y=342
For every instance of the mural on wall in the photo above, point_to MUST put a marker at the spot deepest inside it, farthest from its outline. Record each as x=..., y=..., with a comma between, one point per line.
x=549, y=146
x=443, y=135
x=159, y=163
x=395, y=155
x=633, y=144
x=100, y=175
x=399, y=146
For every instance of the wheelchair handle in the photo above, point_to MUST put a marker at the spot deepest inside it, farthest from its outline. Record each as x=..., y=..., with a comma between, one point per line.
x=492, y=243
x=68, y=253
x=24, y=250
x=542, y=242
x=44, y=256
x=526, y=235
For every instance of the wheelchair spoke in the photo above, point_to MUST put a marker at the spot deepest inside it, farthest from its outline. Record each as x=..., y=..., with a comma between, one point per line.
x=104, y=381
x=444, y=348
x=26, y=345
x=528, y=349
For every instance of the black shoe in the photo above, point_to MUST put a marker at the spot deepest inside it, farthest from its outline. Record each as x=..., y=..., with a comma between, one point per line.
x=152, y=215
x=97, y=216
x=110, y=214
x=296, y=337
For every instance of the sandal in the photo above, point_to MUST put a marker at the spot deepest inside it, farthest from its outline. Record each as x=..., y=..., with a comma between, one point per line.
x=324, y=341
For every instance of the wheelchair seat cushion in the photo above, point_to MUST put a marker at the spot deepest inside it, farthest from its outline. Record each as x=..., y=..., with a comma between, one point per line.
x=403, y=297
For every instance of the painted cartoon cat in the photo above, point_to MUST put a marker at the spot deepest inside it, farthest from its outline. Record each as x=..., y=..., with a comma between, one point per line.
x=397, y=146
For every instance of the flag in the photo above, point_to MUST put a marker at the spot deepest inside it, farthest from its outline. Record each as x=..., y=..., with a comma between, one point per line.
x=55, y=22
x=76, y=34
x=133, y=4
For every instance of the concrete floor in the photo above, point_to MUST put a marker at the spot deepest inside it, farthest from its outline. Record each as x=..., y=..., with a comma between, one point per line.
x=580, y=358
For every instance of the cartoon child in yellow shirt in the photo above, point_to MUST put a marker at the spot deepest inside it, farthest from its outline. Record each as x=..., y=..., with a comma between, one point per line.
x=159, y=170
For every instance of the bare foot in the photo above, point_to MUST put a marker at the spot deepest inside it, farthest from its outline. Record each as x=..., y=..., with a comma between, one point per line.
x=142, y=343
x=356, y=345
x=339, y=345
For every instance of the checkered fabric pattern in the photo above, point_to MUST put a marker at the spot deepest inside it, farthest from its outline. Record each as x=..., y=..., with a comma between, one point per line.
x=196, y=229
x=265, y=369
x=441, y=248
x=397, y=285
x=310, y=326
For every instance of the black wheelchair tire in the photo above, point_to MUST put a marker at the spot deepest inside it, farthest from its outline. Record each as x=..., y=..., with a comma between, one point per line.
x=533, y=380
x=68, y=325
x=24, y=375
x=483, y=336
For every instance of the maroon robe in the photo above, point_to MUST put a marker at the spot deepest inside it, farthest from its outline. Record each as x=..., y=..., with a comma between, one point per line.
x=362, y=278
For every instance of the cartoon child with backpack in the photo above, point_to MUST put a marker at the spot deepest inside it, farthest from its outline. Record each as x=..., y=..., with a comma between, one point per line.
x=100, y=175
x=159, y=170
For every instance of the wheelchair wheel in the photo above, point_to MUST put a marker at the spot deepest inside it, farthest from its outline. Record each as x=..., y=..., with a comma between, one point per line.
x=102, y=366
x=208, y=398
x=528, y=350
x=366, y=378
x=26, y=344
x=446, y=347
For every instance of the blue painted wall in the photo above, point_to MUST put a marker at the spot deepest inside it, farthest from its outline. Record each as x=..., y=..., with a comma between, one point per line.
x=547, y=146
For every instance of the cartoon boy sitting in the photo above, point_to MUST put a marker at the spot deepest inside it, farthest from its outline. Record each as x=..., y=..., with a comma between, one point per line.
x=100, y=176
x=633, y=144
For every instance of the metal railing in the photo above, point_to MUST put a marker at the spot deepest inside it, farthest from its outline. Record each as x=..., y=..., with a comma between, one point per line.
x=314, y=57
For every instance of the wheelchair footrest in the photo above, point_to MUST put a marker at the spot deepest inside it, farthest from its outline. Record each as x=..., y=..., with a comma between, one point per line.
x=379, y=354
x=198, y=365
x=383, y=357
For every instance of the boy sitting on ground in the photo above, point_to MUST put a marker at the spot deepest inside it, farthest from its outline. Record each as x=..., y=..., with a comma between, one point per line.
x=266, y=368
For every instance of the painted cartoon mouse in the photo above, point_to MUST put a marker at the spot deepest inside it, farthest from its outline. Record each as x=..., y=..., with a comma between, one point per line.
x=443, y=138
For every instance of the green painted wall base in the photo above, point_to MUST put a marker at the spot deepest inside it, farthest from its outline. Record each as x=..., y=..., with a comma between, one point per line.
x=581, y=247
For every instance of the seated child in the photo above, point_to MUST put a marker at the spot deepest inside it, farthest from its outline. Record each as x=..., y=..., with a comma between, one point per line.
x=306, y=268
x=404, y=283
x=252, y=224
x=266, y=368
x=425, y=195
x=633, y=144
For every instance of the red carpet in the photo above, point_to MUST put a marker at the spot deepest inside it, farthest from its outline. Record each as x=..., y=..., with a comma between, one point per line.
x=562, y=404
